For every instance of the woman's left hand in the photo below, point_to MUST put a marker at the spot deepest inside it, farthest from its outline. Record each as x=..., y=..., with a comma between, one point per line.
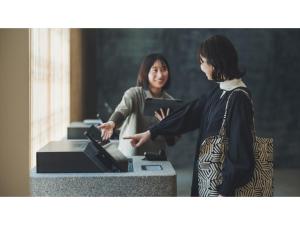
x=160, y=115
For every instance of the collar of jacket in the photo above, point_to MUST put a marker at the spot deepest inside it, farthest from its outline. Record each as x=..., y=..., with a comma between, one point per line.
x=229, y=85
x=149, y=95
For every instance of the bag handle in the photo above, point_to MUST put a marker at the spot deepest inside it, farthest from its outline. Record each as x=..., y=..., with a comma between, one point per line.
x=222, y=129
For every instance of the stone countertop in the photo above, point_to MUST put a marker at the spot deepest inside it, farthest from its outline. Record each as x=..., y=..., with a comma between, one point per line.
x=137, y=183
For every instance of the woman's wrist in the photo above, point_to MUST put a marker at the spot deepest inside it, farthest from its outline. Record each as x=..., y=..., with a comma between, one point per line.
x=112, y=123
x=148, y=133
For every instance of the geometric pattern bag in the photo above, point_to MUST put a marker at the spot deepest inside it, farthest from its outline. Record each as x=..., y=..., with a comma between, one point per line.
x=211, y=158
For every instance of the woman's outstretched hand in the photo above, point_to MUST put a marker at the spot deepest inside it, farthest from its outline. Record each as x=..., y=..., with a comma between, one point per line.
x=160, y=115
x=107, y=130
x=138, y=140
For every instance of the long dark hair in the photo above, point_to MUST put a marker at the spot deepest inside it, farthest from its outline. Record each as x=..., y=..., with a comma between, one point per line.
x=221, y=54
x=149, y=60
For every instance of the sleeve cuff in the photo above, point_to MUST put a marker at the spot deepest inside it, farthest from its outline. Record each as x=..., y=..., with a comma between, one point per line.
x=153, y=132
x=117, y=118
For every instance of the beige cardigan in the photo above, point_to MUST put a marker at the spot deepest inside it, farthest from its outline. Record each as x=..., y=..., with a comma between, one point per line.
x=129, y=115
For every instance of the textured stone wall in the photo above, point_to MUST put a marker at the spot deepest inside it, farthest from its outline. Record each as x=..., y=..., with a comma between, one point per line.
x=270, y=56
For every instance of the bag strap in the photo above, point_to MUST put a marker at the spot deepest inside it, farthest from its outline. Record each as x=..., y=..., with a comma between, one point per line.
x=222, y=129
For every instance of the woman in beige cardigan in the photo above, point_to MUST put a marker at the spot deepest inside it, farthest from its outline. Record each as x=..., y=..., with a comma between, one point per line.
x=153, y=78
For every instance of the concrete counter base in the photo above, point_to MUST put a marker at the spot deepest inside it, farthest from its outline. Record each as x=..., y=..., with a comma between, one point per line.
x=140, y=182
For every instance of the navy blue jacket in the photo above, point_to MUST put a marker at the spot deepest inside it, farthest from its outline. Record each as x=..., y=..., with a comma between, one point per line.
x=206, y=114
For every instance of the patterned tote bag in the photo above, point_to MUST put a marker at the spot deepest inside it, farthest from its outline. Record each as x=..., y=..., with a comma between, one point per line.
x=211, y=159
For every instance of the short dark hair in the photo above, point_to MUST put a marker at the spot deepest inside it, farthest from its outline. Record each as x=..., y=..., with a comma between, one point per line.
x=221, y=54
x=148, y=61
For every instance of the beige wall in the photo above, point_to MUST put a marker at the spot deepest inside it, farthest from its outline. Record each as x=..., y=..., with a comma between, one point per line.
x=14, y=112
x=77, y=81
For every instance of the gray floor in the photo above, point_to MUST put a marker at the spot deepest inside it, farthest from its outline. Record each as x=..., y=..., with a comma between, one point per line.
x=286, y=182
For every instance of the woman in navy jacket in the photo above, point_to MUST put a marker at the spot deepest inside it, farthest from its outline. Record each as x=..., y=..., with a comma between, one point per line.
x=219, y=61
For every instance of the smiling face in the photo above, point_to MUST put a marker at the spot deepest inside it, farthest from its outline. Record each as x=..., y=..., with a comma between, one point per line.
x=206, y=67
x=158, y=75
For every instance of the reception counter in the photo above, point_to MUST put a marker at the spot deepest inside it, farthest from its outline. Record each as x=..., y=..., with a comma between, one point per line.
x=148, y=178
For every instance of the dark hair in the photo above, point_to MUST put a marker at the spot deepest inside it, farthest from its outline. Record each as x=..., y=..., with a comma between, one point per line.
x=221, y=54
x=149, y=60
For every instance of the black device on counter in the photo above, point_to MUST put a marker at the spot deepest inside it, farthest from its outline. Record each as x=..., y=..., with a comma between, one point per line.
x=153, y=104
x=82, y=156
x=151, y=156
x=111, y=157
x=75, y=130
x=94, y=135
